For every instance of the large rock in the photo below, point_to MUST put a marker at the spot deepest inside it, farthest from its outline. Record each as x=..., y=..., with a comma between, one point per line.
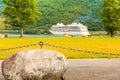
x=38, y=64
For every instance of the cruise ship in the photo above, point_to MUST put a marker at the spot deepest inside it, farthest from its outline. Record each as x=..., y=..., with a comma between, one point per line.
x=70, y=29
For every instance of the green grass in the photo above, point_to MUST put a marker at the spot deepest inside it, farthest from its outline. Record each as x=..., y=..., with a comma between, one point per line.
x=97, y=44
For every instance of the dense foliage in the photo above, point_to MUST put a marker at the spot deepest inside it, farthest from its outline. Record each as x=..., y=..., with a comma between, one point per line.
x=20, y=13
x=111, y=16
x=2, y=24
x=67, y=11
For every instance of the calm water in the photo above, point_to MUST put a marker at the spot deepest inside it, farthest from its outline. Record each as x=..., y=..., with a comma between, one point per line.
x=47, y=35
x=31, y=35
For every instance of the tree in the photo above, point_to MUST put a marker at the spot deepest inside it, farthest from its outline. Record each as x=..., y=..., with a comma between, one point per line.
x=110, y=16
x=2, y=24
x=20, y=13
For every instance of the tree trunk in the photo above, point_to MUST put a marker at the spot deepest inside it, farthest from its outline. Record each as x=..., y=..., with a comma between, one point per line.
x=21, y=32
x=111, y=34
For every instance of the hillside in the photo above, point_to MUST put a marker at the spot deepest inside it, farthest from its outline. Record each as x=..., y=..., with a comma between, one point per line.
x=66, y=11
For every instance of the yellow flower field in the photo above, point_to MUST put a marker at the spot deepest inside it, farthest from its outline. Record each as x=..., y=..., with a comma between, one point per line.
x=95, y=44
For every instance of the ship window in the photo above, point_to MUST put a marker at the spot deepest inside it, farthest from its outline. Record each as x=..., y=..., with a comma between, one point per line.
x=73, y=27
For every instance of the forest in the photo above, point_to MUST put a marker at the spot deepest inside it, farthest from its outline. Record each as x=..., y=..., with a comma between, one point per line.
x=66, y=12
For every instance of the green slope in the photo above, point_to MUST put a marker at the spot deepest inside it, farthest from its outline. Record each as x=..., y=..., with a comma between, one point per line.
x=66, y=11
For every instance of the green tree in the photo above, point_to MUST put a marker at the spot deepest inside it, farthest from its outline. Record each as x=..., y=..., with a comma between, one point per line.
x=20, y=13
x=110, y=16
x=2, y=24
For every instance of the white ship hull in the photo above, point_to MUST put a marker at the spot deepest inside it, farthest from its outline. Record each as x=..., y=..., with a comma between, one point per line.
x=70, y=33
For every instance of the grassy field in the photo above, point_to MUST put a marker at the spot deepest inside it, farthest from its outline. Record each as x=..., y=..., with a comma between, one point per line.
x=96, y=44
